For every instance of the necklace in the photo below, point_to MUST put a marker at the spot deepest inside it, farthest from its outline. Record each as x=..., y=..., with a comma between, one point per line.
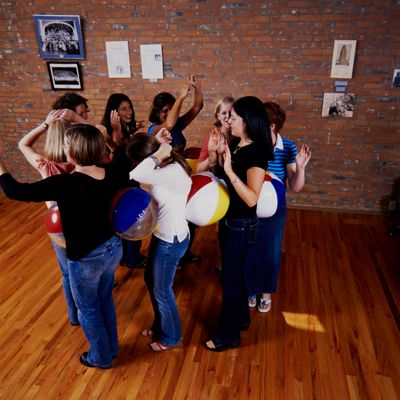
x=236, y=150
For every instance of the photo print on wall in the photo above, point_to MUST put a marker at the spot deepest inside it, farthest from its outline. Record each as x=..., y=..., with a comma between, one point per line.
x=59, y=36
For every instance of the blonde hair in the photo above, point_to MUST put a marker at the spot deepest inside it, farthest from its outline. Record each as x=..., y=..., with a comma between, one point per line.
x=218, y=106
x=53, y=148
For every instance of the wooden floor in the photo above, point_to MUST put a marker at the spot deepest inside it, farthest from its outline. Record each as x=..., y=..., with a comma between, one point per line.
x=333, y=332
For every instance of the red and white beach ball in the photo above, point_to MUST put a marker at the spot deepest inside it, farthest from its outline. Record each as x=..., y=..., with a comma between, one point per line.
x=208, y=200
x=272, y=196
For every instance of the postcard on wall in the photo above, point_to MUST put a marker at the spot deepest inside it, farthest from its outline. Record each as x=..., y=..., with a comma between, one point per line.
x=152, y=62
x=59, y=36
x=118, y=62
x=344, y=53
x=338, y=104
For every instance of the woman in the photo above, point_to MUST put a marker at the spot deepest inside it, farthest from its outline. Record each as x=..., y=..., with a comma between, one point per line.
x=53, y=162
x=244, y=171
x=220, y=134
x=289, y=166
x=165, y=113
x=93, y=251
x=119, y=118
x=120, y=123
x=168, y=174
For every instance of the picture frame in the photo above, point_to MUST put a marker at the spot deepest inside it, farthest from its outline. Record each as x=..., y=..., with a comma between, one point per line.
x=59, y=36
x=338, y=105
x=344, y=52
x=65, y=75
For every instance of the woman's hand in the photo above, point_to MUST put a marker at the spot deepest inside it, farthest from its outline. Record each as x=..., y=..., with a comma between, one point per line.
x=184, y=91
x=54, y=115
x=213, y=141
x=164, y=136
x=228, y=161
x=115, y=120
x=303, y=157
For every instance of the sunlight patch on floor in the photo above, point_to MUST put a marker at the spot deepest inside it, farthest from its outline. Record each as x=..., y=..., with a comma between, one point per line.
x=307, y=322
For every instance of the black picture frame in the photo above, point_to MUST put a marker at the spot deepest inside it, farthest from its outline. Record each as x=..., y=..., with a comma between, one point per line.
x=65, y=76
x=59, y=36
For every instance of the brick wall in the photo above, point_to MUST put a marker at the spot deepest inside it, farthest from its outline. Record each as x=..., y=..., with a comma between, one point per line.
x=277, y=50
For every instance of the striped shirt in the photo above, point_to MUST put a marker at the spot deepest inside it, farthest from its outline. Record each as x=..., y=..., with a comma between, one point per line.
x=285, y=152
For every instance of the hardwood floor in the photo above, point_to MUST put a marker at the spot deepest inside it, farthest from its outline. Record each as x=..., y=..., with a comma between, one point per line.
x=332, y=333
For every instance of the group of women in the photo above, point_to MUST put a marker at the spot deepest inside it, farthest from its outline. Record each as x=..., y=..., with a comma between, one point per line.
x=84, y=166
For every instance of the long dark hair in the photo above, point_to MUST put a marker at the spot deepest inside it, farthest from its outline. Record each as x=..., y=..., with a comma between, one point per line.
x=113, y=103
x=143, y=145
x=159, y=102
x=257, y=126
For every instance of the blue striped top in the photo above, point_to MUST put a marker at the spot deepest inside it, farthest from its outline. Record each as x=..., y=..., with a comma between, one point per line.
x=285, y=152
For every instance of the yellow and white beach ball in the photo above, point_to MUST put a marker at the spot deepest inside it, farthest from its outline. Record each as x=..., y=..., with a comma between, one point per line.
x=208, y=200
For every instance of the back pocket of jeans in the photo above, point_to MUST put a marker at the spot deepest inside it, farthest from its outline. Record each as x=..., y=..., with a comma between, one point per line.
x=92, y=268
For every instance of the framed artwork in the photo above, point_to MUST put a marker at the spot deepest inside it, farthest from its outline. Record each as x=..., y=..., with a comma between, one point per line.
x=344, y=53
x=65, y=75
x=338, y=105
x=396, y=78
x=59, y=36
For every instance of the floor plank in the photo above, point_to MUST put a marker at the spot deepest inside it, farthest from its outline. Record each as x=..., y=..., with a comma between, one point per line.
x=333, y=332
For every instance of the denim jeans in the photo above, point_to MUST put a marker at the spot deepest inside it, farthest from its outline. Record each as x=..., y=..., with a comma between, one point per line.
x=131, y=252
x=265, y=271
x=237, y=240
x=92, y=282
x=63, y=263
x=159, y=275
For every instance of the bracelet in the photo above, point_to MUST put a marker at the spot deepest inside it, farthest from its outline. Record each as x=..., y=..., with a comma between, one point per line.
x=45, y=125
x=235, y=180
x=156, y=160
x=210, y=164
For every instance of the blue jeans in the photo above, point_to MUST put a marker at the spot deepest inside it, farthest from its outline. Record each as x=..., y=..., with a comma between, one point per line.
x=63, y=263
x=159, y=275
x=131, y=252
x=92, y=282
x=265, y=270
x=237, y=240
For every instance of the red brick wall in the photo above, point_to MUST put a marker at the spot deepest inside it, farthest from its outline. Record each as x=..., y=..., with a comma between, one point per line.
x=277, y=50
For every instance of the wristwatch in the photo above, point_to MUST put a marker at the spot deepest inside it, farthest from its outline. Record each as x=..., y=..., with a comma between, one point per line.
x=45, y=125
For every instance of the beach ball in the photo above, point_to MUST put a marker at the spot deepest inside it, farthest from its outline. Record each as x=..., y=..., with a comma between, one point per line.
x=272, y=196
x=208, y=200
x=134, y=214
x=192, y=156
x=52, y=222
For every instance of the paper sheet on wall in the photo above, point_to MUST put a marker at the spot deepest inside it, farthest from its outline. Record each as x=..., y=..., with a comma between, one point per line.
x=152, y=64
x=118, y=62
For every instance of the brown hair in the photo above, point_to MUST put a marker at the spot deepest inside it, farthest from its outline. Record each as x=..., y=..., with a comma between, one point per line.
x=143, y=145
x=86, y=144
x=276, y=114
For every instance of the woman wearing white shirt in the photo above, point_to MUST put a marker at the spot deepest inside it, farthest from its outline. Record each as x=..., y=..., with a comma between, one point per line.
x=168, y=174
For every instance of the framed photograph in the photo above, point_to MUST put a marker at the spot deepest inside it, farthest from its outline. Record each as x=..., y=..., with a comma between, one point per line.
x=65, y=75
x=338, y=105
x=59, y=36
x=344, y=53
x=396, y=78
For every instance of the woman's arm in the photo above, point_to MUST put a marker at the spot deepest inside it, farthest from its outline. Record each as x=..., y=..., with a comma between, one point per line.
x=296, y=171
x=212, y=159
x=188, y=117
x=249, y=192
x=43, y=190
x=173, y=114
x=26, y=143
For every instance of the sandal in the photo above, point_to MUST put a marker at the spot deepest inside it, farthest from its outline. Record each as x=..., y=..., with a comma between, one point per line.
x=252, y=301
x=265, y=305
x=148, y=333
x=158, y=346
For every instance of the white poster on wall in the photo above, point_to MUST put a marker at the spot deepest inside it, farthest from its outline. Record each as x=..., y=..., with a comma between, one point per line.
x=118, y=62
x=152, y=63
x=344, y=52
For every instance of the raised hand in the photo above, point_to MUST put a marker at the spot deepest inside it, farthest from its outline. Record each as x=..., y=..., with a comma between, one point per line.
x=164, y=136
x=163, y=152
x=213, y=141
x=227, y=161
x=115, y=120
x=303, y=157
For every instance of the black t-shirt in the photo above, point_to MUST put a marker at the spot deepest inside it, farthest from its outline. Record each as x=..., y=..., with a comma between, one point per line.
x=243, y=159
x=84, y=204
